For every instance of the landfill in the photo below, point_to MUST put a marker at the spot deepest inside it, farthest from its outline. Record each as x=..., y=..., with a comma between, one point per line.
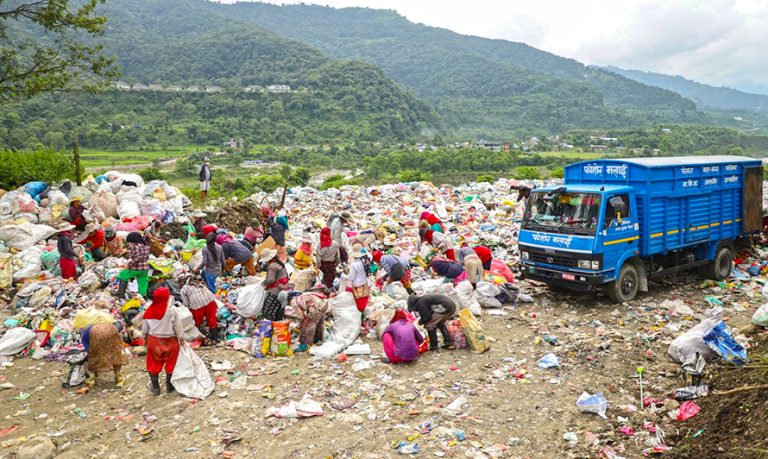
x=531, y=372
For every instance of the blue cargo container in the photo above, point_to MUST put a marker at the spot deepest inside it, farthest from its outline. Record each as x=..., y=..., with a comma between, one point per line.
x=616, y=222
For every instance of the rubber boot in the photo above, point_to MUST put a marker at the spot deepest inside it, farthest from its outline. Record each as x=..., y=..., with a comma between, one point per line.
x=121, y=289
x=119, y=378
x=154, y=384
x=432, y=339
x=215, y=335
x=168, y=386
x=447, y=341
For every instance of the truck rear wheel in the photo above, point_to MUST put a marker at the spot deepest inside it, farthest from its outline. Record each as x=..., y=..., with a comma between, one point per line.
x=625, y=287
x=720, y=268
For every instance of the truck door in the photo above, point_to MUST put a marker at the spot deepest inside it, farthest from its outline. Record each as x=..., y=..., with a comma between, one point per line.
x=753, y=199
x=620, y=228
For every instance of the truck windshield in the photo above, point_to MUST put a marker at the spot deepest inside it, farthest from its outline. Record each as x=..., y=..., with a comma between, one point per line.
x=563, y=212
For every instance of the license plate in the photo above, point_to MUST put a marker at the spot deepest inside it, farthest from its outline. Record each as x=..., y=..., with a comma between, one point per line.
x=568, y=276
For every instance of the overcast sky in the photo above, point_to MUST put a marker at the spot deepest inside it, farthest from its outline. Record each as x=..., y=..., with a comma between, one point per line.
x=720, y=42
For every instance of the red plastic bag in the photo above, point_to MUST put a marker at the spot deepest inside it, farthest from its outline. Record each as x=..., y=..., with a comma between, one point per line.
x=688, y=410
x=499, y=268
x=457, y=334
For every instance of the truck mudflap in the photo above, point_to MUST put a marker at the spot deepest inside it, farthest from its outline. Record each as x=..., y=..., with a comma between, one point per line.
x=564, y=279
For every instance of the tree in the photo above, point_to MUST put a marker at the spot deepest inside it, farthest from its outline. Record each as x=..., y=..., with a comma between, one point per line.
x=62, y=59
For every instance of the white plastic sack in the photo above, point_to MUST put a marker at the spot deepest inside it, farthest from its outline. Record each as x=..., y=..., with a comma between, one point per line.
x=396, y=291
x=16, y=340
x=250, y=300
x=190, y=377
x=57, y=198
x=89, y=281
x=302, y=279
x=346, y=326
x=128, y=209
x=191, y=332
x=685, y=346
x=24, y=236
x=467, y=299
x=196, y=261
x=427, y=286
x=106, y=202
x=28, y=263
x=760, y=317
x=487, y=289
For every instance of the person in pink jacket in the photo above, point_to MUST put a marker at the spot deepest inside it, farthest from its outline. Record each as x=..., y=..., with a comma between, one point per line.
x=401, y=339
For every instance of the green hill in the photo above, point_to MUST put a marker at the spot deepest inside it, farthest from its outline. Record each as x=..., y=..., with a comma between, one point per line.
x=479, y=86
x=703, y=94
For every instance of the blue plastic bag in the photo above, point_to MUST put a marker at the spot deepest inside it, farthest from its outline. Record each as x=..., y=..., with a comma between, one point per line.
x=549, y=361
x=34, y=189
x=720, y=340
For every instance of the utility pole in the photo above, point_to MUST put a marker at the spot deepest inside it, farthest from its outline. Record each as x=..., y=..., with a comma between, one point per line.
x=76, y=153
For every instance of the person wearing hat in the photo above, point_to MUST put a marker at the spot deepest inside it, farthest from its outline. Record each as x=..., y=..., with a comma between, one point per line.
x=94, y=241
x=276, y=281
x=114, y=246
x=204, y=174
x=303, y=259
x=235, y=254
x=213, y=262
x=76, y=210
x=358, y=277
x=278, y=226
x=434, y=311
x=328, y=257
x=395, y=269
x=67, y=254
x=138, y=265
x=254, y=234
x=401, y=339
x=198, y=221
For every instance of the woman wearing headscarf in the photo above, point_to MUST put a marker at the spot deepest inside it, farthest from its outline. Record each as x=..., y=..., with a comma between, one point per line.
x=431, y=221
x=75, y=212
x=94, y=241
x=105, y=351
x=358, y=277
x=395, y=269
x=276, y=281
x=277, y=228
x=138, y=265
x=67, y=254
x=254, y=234
x=162, y=328
x=235, y=254
x=213, y=262
x=114, y=246
x=473, y=266
x=401, y=339
x=303, y=259
x=486, y=256
x=328, y=257
x=438, y=241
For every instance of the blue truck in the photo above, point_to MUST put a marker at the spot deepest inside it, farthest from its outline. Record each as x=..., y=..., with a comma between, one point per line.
x=615, y=223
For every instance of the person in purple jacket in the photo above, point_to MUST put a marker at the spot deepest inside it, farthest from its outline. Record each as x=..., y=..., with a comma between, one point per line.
x=401, y=340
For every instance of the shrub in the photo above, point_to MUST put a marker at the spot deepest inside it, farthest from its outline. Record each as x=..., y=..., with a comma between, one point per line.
x=557, y=172
x=485, y=178
x=527, y=173
x=151, y=173
x=19, y=168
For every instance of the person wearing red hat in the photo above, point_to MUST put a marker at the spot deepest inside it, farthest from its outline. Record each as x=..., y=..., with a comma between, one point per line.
x=395, y=269
x=485, y=254
x=162, y=328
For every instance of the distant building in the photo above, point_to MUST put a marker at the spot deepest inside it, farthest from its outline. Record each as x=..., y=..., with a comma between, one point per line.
x=194, y=89
x=219, y=153
x=253, y=88
x=278, y=88
x=155, y=87
x=173, y=88
x=598, y=148
x=122, y=85
x=213, y=89
x=609, y=139
x=140, y=87
x=493, y=146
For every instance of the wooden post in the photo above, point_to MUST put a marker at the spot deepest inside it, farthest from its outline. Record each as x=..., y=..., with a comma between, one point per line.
x=76, y=152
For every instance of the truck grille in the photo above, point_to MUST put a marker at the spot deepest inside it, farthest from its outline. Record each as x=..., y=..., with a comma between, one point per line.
x=538, y=255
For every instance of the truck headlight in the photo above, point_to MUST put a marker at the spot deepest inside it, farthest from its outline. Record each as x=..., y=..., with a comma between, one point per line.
x=584, y=264
x=524, y=255
x=595, y=264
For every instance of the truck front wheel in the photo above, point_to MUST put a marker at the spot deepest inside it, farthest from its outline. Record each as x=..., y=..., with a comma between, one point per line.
x=720, y=268
x=625, y=287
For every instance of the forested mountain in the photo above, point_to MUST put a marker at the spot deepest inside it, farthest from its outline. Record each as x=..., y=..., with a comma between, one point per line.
x=479, y=86
x=182, y=43
x=703, y=94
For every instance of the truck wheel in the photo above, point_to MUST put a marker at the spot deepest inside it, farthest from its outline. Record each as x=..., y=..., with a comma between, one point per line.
x=625, y=287
x=720, y=268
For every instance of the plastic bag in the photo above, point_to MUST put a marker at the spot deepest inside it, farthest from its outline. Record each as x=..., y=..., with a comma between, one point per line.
x=688, y=344
x=91, y=316
x=396, y=291
x=190, y=377
x=549, y=361
x=458, y=338
x=687, y=410
x=302, y=279
x=24, y=236
x=262, y=336
x=28, y=264
x=720, y=340
x=16, y=340
x=6, y=271
x=250, y=300
x=473, y=331
x=346, y=326
x=104, y=201
x=281, y=339
x=760, y=317
x=467, y=300
x=78, y=371
x=89, y=281
x=596, y=404
x=191, y=332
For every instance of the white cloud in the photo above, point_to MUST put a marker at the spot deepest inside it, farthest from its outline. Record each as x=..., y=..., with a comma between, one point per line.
x=721, y=42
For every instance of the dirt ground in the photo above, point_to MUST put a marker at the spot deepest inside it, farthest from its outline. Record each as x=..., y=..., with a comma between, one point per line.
x=514, y=408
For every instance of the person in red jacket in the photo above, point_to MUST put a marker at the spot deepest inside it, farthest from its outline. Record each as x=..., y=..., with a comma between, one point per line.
x=485, y=256
x=94, y=241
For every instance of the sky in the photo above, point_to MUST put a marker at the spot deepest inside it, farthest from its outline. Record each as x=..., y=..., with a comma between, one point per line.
x=718, y=42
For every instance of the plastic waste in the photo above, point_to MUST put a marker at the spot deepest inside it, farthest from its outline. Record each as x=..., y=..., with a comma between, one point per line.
x=720, y=340
x=549, y=361
x=190, y=376
x=596, y=404
x=760, y=317
x=691, y=392
x=691, y=342
x=687, y=410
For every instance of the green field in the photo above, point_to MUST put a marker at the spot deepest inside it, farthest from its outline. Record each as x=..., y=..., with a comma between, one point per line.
x=93, y=158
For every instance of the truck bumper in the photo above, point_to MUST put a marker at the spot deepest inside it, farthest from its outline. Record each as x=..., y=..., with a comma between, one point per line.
x=581, y=281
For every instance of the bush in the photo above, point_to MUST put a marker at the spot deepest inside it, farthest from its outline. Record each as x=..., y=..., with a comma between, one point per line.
x=268, y=183
x=338, y=181
x=527, y=173
x=151, y=173
x=557, y=172
x=410, y=175
x=19, y=168
x=485, y=178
